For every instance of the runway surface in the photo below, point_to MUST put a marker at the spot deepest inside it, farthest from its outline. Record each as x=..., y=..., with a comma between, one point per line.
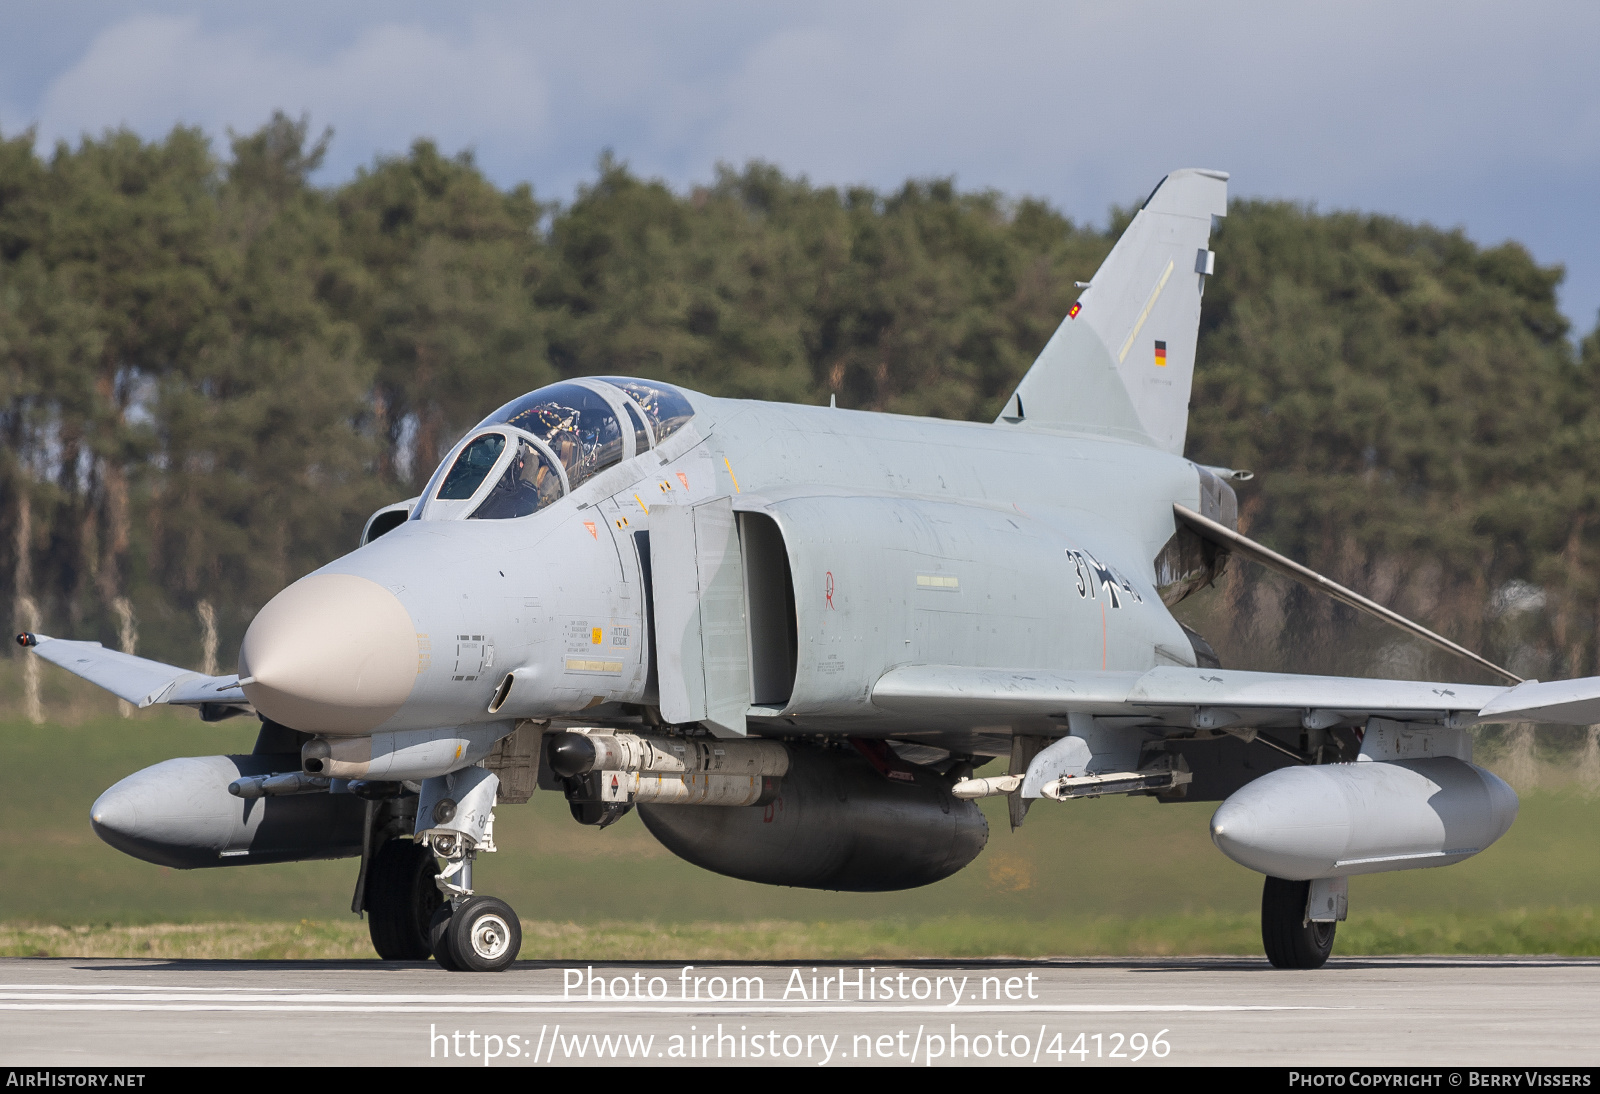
x=1447, y=1012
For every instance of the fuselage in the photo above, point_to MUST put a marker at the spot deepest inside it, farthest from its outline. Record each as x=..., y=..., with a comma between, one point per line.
x=904, y=541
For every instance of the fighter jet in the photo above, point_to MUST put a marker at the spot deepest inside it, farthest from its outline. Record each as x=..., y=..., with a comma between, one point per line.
x=788, y=635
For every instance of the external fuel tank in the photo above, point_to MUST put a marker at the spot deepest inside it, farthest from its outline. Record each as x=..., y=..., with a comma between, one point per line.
x=1367, y=817
x=838, y=823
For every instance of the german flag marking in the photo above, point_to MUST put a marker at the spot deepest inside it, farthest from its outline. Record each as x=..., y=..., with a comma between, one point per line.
x=1161, y=354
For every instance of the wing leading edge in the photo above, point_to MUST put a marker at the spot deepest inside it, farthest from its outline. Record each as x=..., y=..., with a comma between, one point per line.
x=1169, y=695
x=1174, y=696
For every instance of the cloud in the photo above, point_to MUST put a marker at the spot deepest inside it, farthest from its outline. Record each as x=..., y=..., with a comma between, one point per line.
x=1454, y=112
x=1329, y=103
x=392, y=83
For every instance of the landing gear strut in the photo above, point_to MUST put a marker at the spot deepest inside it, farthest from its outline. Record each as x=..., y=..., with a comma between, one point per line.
x=455, y=818
x=1292, y=939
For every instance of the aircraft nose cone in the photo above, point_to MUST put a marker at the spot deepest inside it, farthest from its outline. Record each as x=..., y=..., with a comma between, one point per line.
x=332, y=653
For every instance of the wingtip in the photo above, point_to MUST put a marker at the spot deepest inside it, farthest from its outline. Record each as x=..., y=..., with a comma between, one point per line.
x=26, y=639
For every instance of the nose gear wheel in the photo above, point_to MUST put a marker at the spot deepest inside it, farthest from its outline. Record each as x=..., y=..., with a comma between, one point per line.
x=439, y=939
x=481, y=934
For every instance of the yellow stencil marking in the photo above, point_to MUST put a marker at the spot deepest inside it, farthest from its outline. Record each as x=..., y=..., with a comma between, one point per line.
x=938, y=581
x=642, y=505
x=1148, y=304
x=594, y=636
x=731, y=475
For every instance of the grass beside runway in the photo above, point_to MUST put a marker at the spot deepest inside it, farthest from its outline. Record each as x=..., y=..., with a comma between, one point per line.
x=1114, y=877
x=1560, y=931
x=199, y=941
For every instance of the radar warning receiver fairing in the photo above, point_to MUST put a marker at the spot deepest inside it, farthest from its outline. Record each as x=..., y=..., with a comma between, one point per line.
x=788, y=635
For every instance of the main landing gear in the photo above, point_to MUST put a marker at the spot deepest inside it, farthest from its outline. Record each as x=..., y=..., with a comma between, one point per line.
x=467, y=932
x=402, y=897
x=1293, y=939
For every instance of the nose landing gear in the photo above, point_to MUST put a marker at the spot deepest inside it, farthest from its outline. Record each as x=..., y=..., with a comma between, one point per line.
x=439, y=938
x=470, y=932
x=483, y=934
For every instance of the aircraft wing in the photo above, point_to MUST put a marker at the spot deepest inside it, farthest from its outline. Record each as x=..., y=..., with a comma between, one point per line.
x=1563, y=702
x=1174, y=694
x=137, y=680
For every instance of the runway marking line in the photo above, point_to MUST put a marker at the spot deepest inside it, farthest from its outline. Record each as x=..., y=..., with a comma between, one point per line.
x=97, y=997
x=399, y=1005
x=125, y=987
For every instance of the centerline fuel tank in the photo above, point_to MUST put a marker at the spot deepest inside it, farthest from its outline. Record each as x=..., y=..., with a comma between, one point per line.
x=838, y=823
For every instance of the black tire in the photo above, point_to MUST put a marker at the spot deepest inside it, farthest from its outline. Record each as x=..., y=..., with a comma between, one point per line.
x=485, y=934
x=401, y=900
x=439, y=938
x=1290, y=940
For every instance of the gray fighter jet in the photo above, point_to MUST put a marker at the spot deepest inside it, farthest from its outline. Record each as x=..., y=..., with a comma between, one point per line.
x=787, y=635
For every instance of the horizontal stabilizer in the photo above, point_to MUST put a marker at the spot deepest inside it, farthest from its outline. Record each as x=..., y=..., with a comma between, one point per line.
x=1171, y=693
x=137, y=680
x=1232, y=541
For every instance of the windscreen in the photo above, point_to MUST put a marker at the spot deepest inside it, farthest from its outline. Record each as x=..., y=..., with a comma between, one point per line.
x=476, y=461
x=530, y=483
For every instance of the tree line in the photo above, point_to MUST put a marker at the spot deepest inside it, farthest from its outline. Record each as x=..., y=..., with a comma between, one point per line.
x=212, y=370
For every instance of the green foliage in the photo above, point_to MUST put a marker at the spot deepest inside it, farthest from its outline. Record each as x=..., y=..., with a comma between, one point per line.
x=445, y=267
x=212, y=370
x=1422, y=428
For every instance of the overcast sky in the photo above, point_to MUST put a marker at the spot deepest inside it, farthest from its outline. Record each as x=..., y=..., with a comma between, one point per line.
x=1479, y=115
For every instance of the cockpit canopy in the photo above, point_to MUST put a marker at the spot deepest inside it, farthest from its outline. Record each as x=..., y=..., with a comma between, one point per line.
x=535, y=449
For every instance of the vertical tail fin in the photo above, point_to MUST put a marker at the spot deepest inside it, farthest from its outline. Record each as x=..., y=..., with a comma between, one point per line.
x=1122, y=362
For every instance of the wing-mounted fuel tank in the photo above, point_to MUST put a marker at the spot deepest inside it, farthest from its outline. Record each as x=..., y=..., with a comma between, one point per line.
x=180, y=813
x=1411, y=800
x=838, y=821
